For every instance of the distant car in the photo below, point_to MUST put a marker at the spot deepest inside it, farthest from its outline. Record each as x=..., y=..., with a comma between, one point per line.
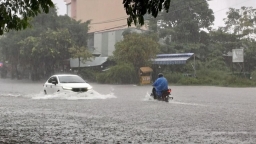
x=66, y=83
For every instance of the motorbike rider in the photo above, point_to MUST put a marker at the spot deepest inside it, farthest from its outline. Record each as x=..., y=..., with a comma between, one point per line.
x=160, y=85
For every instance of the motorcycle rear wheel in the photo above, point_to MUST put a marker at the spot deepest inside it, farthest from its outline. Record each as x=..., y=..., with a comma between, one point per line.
x=166, y=99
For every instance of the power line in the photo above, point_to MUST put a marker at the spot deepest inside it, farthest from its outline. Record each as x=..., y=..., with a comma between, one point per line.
x=108, y=21
x=121, y=26
x=231, y=6
x=123, y=18
x=189, y=6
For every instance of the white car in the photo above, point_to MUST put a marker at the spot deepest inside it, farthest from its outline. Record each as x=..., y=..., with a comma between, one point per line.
x=66, y=83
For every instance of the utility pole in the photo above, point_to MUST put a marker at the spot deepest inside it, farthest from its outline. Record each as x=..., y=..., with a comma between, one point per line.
x=194, y=65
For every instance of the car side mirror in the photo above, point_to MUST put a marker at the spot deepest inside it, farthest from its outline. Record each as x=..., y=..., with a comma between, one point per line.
x=54, y=82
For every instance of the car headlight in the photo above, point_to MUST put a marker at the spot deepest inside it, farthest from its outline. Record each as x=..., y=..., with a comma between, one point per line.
x=66, y=88
x=89, y=87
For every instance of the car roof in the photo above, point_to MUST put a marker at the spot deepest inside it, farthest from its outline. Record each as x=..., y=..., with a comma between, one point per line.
x=65, y=75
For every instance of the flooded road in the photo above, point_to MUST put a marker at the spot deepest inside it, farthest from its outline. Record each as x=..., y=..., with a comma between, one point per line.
x=126, y=114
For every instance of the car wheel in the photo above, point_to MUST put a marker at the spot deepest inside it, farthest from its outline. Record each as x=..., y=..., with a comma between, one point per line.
x=45, y=92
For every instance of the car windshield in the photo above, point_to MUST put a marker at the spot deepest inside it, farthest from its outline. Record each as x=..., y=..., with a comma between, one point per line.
x=71, y=79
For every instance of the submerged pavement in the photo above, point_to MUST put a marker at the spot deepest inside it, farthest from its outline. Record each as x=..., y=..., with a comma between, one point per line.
x=126, y=114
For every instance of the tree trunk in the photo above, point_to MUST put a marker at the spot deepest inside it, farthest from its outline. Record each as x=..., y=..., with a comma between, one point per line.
x=79, y=65
x=17, y=72
x=12, y=72
x=137, y=77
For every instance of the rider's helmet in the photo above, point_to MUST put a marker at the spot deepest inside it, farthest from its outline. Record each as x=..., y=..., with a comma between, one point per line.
x=160, y=75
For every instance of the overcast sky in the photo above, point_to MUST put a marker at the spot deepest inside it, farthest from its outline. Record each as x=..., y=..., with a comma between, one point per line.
x=219, y=7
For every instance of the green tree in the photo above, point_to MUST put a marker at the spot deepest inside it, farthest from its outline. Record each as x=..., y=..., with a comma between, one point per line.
x=249, y=55
x=51, y=40
x=10, y=49
x=30, y=54
x=136, y=9
x=15, y=14
x=54, y=45
x=48, y=50
x=137, y=49
x=215, y=59
x=122, y=73
x=185, y=25
x=10, y=11
x=241, y=22
x=82, y=53
x=79, y=36
x=181, y=30
x=44, y=21
x=227, y=40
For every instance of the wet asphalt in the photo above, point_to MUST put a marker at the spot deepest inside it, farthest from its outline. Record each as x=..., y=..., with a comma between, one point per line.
x=197, y=114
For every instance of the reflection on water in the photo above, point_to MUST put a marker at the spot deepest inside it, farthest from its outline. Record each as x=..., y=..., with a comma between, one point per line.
x=173, y=101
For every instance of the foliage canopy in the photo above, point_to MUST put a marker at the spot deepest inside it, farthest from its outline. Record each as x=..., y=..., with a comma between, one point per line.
x=15, y=14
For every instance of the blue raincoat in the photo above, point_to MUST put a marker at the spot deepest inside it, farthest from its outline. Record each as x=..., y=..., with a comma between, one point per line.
x=160, y=85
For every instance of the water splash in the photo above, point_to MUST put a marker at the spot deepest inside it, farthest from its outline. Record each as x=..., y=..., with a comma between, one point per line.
x=183, y=103
x=171, y=101
x=148, y=97
x=91, y=94
x=11, y=94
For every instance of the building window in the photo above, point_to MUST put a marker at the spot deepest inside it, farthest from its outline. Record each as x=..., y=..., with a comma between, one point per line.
x=69, y=10
x=90, y=42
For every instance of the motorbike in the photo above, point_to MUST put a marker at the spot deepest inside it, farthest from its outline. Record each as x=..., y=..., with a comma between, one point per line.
x=165, y=95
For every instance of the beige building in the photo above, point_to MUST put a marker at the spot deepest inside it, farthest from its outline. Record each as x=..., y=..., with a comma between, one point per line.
x=104, y=14
x=108, y=21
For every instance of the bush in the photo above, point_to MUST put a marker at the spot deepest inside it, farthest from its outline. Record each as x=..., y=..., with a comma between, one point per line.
x=173, y=77
x=213, y=74
x=120, y=74
x=101, y=77
x=253, y=75
x=124, y=73
x=233, y=80
x=213, y=77
x=206, y=81
x=89, y=74
x=189, y=81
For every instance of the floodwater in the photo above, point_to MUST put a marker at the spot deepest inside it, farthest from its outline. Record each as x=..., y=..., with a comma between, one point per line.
x=126, y=114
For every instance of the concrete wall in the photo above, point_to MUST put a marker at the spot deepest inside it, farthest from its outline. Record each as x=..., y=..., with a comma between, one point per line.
x=73, y=9
x=97, y=42
x=104, y=42
x=111, y=42
x=104, y=14
x=119, y=35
